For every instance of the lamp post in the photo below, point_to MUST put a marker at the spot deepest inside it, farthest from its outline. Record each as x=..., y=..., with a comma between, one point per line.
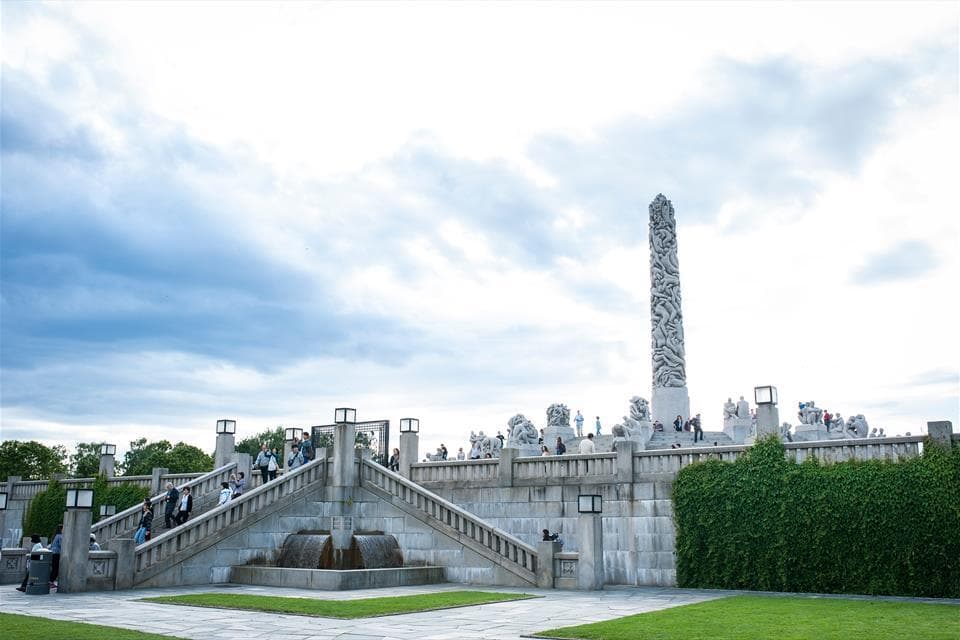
x=344, y=446
x=3, y=517
x=75, y=548
x=409, y=444
x=224, y=449
x=768, y=416
x=107, y=510
x=590, y=539
x=107, y=459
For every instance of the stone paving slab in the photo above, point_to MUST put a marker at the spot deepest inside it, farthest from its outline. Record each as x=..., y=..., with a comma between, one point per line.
x=495, y=621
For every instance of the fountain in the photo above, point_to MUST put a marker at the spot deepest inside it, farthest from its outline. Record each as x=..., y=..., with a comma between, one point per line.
x=332, y=560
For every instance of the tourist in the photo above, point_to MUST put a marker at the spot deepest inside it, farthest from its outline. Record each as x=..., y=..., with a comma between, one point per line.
x=658, y=426
x=579, y=422
x=55, y=548
x=540, y=440
x=827, y=417
x=296, y=458
x=273, y=465
x=552, y=537
x=488, y=455
x=306, y=448
x=475, y=451
x=239, y=484
x=225, y=493
x=460, y=454
x=544, y=451
x=186, y=505
x=146, y=523
x=678, y=424
x=170, y=504
x=561, y=448
x=263, y=463
x=697, y=429
x=94, y=545
x=37, y=546
x=500, y=437
x=587, y=446
x=443, y=451
x=598, y=425
x=394, y=463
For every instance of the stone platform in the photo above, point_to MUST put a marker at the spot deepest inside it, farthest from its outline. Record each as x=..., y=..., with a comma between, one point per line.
x=329, y=580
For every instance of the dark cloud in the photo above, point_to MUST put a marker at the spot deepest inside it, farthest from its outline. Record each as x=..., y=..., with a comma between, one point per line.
x=904, y=261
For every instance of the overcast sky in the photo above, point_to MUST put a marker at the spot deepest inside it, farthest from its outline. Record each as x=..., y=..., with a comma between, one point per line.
x=264, y=212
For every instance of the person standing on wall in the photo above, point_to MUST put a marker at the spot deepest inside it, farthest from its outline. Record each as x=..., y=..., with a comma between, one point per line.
x=579, y=422
x=598, y=425
x=263, y=462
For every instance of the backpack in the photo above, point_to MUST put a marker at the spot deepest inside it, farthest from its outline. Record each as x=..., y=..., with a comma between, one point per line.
x=306, y=449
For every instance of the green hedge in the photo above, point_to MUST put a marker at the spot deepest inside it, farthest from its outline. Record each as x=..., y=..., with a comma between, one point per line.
x=46, y=509
x=873, y=527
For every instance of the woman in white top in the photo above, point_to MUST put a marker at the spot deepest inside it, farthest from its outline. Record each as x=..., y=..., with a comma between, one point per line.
x=225, y=493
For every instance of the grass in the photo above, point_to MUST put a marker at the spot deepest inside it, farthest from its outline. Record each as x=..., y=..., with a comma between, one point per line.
x=17, y=627
x=361, y=608
x=784, y=618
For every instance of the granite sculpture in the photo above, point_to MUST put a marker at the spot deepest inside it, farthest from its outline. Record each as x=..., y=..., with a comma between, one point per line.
x=488, y=444
x=729, y=409
x=558, y=415
x=521, y=431
x=809, y=413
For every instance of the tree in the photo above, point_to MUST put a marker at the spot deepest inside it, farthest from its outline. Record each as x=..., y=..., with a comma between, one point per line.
x=273, y=438
x=182, y=458
x=85, y=461
x=31, y=460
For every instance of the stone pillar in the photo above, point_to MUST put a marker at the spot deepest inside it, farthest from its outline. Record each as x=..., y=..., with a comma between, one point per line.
x=590, y=562
x=624, y=449
x=344, y=455
x=287, y=450
x=75, y=551
x=505, y=470
x=670, y=396
x=545, y=553
x=409, y=451
x=245, y=464
x=156, y=481
x=768, y=420
x=107, y=464
x=223, y=450
x=941, y=433
x=125, y=548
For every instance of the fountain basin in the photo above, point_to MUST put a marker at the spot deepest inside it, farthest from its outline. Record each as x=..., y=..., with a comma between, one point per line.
x=336, y=580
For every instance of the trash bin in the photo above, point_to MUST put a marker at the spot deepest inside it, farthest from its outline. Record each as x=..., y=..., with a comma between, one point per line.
x=38, y=583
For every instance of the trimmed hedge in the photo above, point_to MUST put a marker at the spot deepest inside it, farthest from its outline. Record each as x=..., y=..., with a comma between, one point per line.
x=46, y=509
x=871, y=527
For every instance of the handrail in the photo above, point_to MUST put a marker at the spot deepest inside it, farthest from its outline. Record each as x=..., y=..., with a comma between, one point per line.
x=127, y=520
x=520, y=557
x=204, y=526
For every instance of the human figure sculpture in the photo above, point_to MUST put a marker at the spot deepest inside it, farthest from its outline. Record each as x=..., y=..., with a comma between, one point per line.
x=558, y=415
x=729, y=409
x=487, y=444
x=521, y=431
x=836, y=423
x=639, y=409
x=873, y=434
x=743, y=408
x=809, y=413
x=619, y=431
x=785, y=432
x=881, y=434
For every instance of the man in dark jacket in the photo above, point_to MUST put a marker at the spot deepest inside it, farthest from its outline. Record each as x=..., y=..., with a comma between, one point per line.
x=170, y=505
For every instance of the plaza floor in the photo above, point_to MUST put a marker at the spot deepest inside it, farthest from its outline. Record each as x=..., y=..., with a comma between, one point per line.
x=494, y=621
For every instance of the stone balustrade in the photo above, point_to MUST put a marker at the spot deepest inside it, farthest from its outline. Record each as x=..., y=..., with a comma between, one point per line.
x=127, y=520
x=507, y=550
x=206, y=526
x=598, y=467
x=455, y=471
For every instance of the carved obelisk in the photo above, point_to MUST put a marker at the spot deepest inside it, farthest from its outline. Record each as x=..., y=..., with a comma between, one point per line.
x=670, y=397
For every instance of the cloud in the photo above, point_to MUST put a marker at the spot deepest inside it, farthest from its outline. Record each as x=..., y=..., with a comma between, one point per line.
x=906, y=260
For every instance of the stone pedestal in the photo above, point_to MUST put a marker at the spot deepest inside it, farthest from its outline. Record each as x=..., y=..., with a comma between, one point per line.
x=545, y=553
x=107, y=465
x=409, y=451
x=768, y=420
x=344, y=445
x=156, y=479
x=75, y=551
x=527, y=450
x=505, y=467
x=551, y=433
x=624, y=450
x=125, y=548
x=738, y=429
x=669, y=402
x=941, y=433
x=810, y=433
x=590, y=541
x=223, y=450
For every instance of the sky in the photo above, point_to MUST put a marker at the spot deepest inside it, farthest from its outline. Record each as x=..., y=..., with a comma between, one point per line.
x=439, y=210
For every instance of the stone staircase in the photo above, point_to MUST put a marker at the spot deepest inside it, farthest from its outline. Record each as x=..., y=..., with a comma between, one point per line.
x=664, y=439
x=498, y=546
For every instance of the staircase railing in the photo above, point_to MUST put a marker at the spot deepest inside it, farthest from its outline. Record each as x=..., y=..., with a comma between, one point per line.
x=512, y=553
x=127, y=520
x=203, y=528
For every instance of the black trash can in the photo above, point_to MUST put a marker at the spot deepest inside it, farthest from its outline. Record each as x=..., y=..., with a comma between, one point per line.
x=38, y=583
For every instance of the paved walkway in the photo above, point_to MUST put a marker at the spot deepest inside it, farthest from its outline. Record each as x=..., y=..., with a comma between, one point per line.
x=497, y=621
x=490, y=621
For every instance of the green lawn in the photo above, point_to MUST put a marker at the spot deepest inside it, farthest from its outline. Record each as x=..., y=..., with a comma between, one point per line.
x=362, y=608
x=17, y=627
x=784, y=618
